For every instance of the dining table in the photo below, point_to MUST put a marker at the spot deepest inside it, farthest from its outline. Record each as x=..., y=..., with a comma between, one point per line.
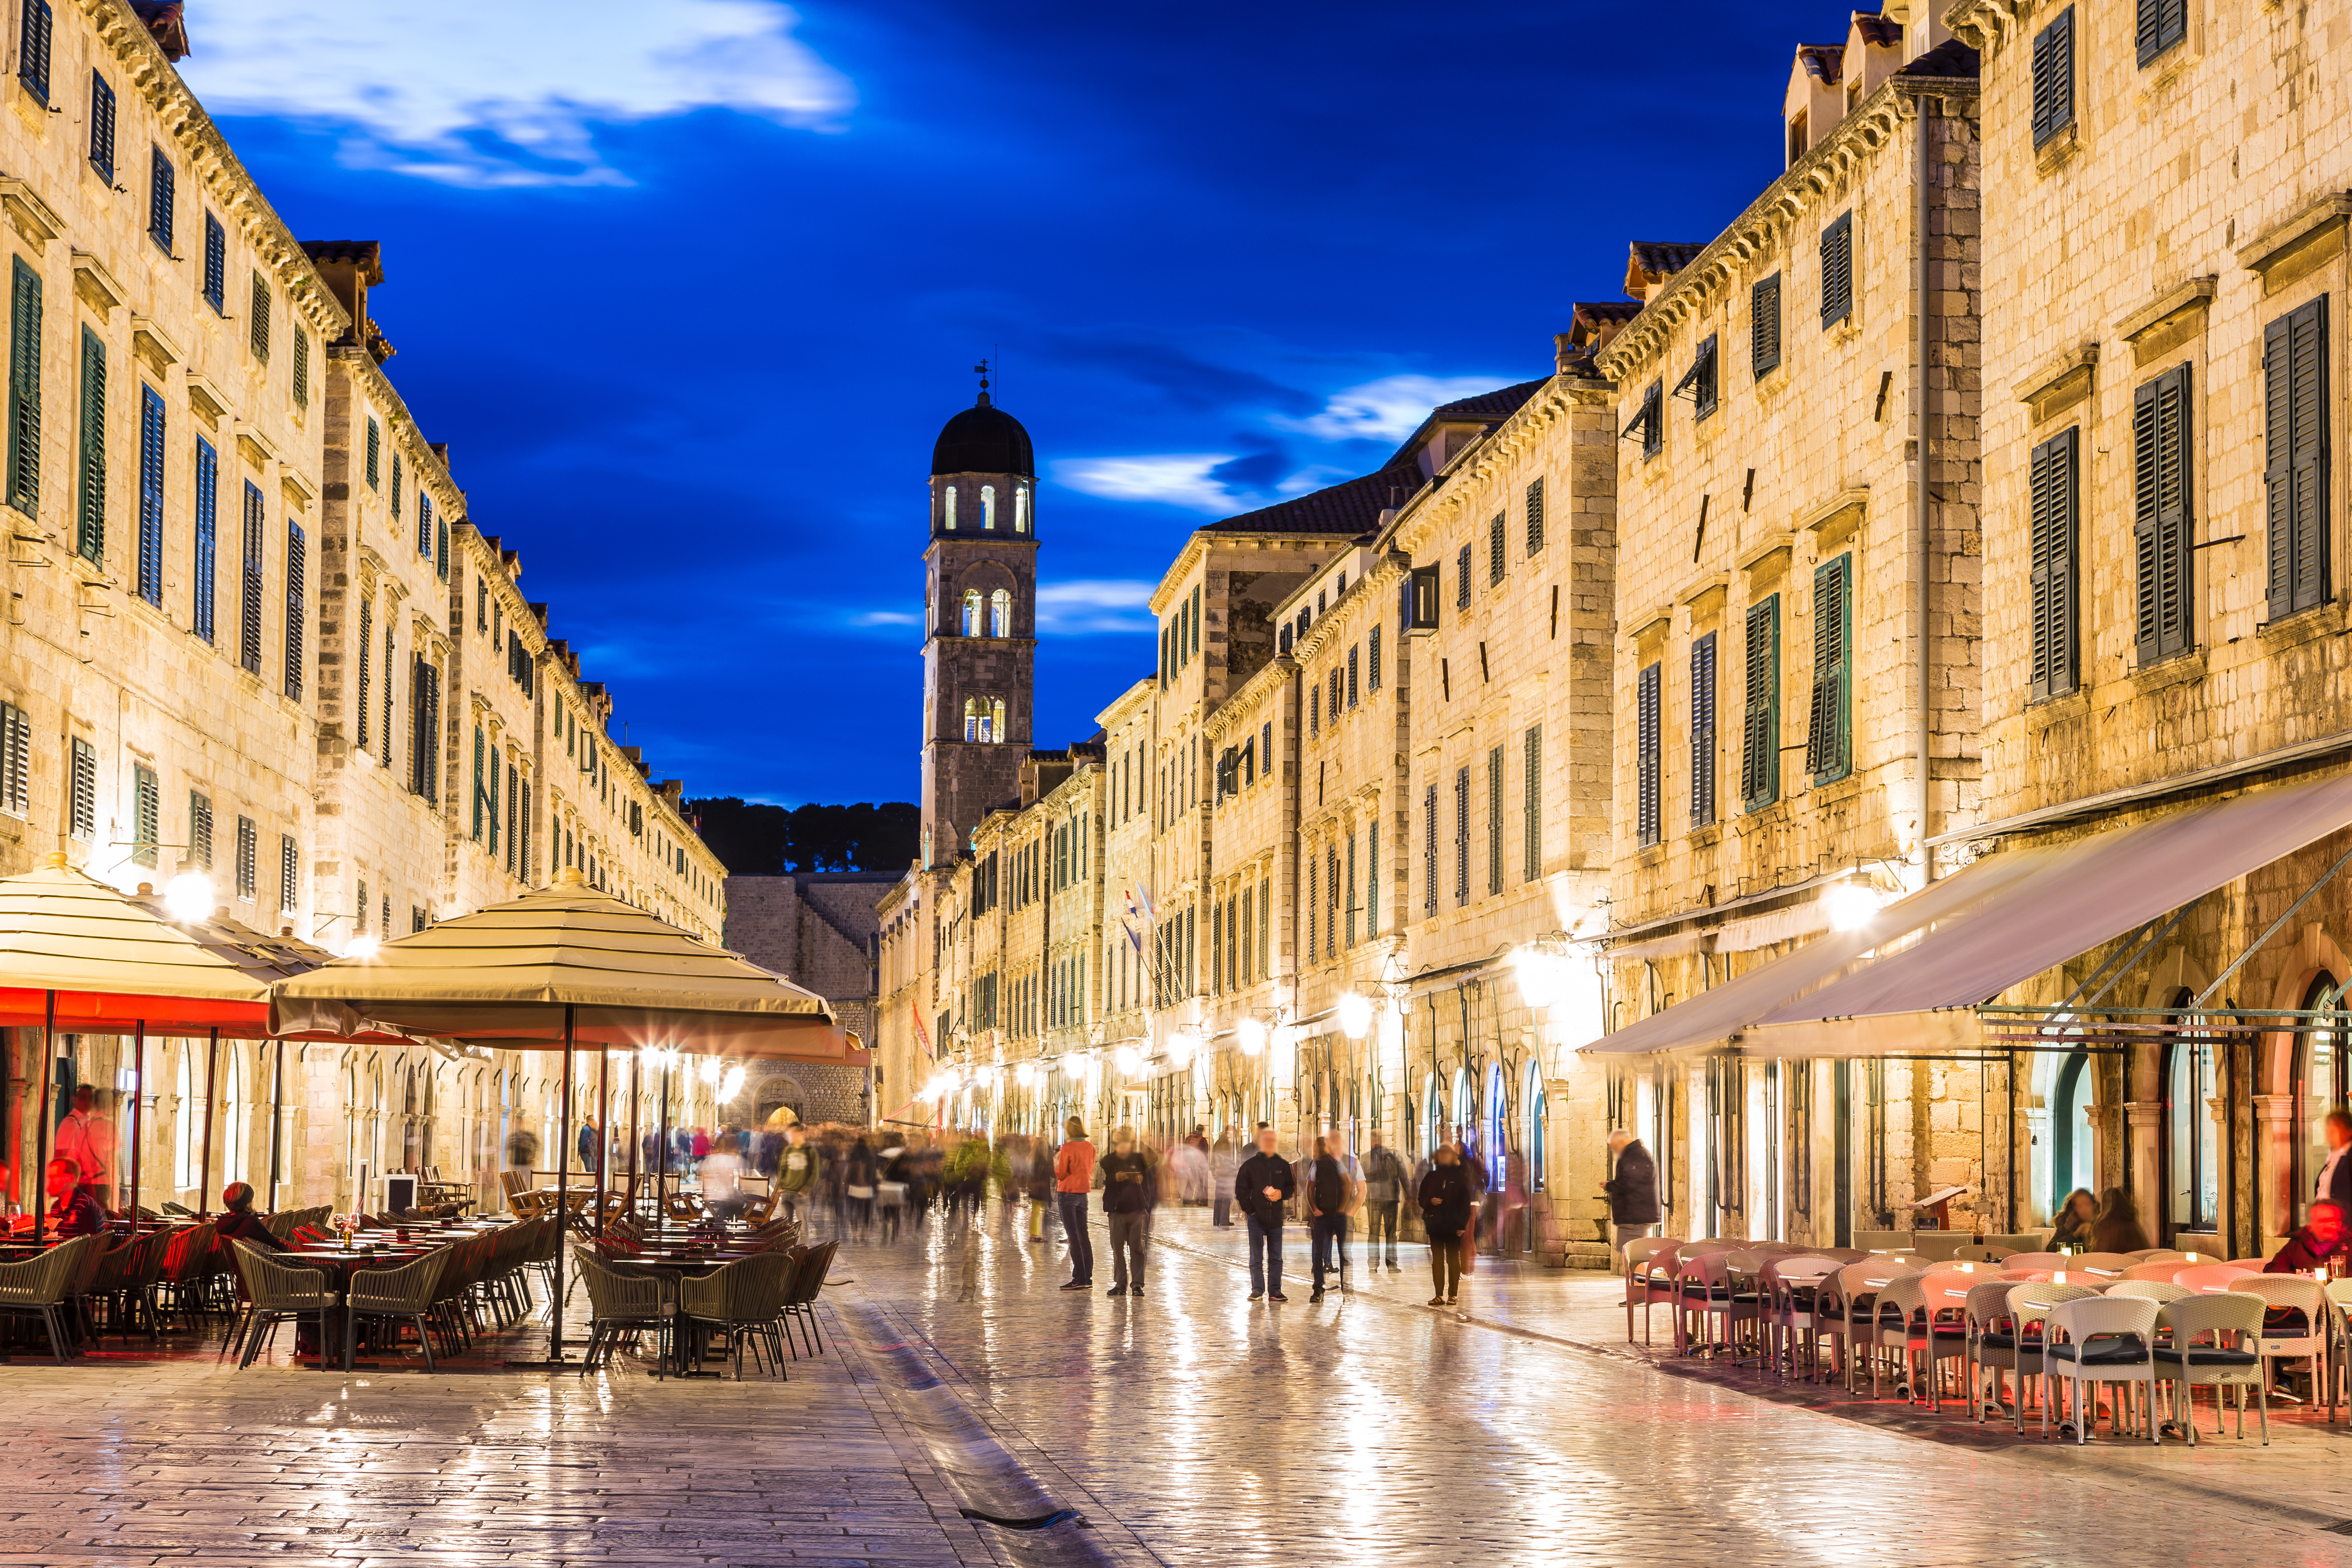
x=340, y=1263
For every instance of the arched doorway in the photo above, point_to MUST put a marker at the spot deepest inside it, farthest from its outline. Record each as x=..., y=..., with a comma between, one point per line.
x=1539, y=1130
x=2073, y=1147
x=778, y=1092
x=2192, y=1147
x=2320, y=1084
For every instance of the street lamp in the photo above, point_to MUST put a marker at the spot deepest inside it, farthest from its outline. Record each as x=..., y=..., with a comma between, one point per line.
x=1355, y=1016
x=1253, y=1037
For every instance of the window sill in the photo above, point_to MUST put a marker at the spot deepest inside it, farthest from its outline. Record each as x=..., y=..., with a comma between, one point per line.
x=2302, y=626
x=2060, y=705
x=2180, y=669
x=2061, y=148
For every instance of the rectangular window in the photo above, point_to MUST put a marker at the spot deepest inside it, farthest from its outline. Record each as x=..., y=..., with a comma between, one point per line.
x=1335, y=694
x=1371, y=881
x=297, y=558
x=1649, y=422
x=1535, y=518
x=216, y=265
x=33, y=40
x=1531, y=808
x=1701, y=729
x=200, y=830
x=150, y=496
x=1760, y=740
x=1351, y=677
x=2294, y=463
x=1314, y=902
x=375, y=454
x=1429, y=853
x=1331, y=893
x=258, y=329
x=1699, y=381
x=1265, y=927
x=1646, y=782
x=2160, y=25
x=289, y=873
x=424, y=751
x=1496, y=549
x=160, y=180
x=1828, y=739
x=1495, y=821
x=2055, y=481
x=23, y=388
x=248, y=850
x=1764, y=327
x=2054, y=77
x=1372, y=658
x=365, y=646
x=146, y=816
x=101, y=127
x=1837, y=270
x=388, y=668
x=2160, y=481
x=16, y=760
x=1462, y=579
x=1462, y=836
x=81, y=803
x=89, y=478
x=249, y=628
x=207, y=543
x=424, y=546
x=301, y=368
x=1265, y=746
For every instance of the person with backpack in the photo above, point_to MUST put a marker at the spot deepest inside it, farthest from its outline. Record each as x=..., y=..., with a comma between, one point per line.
x=1333, y=1195
x=1384, y=1189
x=1263, y=1187
x=1447, y=1207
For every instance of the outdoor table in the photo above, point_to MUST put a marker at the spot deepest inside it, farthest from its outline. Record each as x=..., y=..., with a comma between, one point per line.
x=341, y=1263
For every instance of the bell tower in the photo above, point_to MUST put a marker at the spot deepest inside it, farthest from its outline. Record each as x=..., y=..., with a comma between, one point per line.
x=980, y=636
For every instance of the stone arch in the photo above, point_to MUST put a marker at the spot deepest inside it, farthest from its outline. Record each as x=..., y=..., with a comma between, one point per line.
x=2314, y=954
x=778, y=1091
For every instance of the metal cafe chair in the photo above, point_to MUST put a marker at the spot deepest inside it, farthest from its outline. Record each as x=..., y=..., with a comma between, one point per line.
x=2231, y=1324
x=282, y=1292
x=394, y=1296
x=42, y=1287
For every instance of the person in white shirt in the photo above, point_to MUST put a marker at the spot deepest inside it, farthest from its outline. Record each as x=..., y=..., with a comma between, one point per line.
x=88, y=1140
x=2334, y=1183
x=722, y=1179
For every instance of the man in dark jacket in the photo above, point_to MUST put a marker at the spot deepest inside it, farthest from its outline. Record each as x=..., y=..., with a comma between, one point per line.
x=240, y=1223
x=1127, y=1178
x=1447, y=1207
x=74, y=1209
x=1384, y=1185
x=2321, y=1239
x=1262, y=1186
x=1333, y=1195
x=1632, y=1190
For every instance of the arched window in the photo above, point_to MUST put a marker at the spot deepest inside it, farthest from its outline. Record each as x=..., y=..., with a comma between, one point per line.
x=2320, y=1084
x=1461, y=1127
x=234, y=1120
x=972, y=718
x=1021, y=508
x=987, y=507
x=948, y=500
x=183, y=1128
x=2074, y=1150
x=1000, y=613
x=1497, y=1128
x=2192, y=1143
x=972, y=613
x=996, y=720
x=1538, y=1116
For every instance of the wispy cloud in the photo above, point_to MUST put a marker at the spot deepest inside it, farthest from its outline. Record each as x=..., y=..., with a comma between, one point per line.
x=1085, y=606
x=886, y=618
x=508, y=93
x=1188, y=480
x=1387, y=409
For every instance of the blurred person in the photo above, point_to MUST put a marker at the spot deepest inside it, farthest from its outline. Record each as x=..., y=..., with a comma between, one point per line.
x=1384, y=1183
x=2072, y=1230
x=240, y=1223
x=891, y=1186
x=1263, y=1185
x=1128, y=1191
x=2323, y=1236
x=74, y=1209
x=1040, y=1188
x=1333, y=1194
x=88, y=1140
x=1632, y=1190
x=1074, y=1177
x=698, y=1144
x=2333, y=1184
x=592, y=1145
x=1225, y=1160
x=796, y=1170
x=858, y=1177
x=722, y=1179
x=1447, y=1205
x=2117, y=1229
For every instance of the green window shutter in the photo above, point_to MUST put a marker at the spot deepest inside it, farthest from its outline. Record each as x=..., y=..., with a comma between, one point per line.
x=1701, y=729
x=90, y=503
x=2054, y=77
x=1646, y=782
x=216, y=265
x=1533, y=805
x=2160, y=484
x=1829, y=741
x=1497, y=549
x=1461, y=836
x=34, y=38
x=1764, y=327
x=257, y=328
x=250, y=602
x=375, y=453
x=2054, y=476
x=2159, y=25
x=301, y=368
x=2294, y=477
x=1495, y=820
x=150, y=496
x=25, y=388
x=365, y=646
x=207, y=547
x=147, y=813
x=297, y=558
x=1429, y=853
x=1759, y=757
x=161, y=180
x=1837, y=270
x=1535, y=517
x=1371, y=881
x=480, y=757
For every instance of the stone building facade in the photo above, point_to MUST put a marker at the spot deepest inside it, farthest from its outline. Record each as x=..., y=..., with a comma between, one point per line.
x=253, y=636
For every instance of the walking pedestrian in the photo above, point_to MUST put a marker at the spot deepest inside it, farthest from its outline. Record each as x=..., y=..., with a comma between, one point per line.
x=1262, y=1186
x=1384, y=1180
x=1333, y=1195
x=1224, y=1162
x=1074, y=1177
x=796, y=1170
x=859, y=1186
x=1447, y=1207
x=1128, y=1194
x=1631, y=1191
x=890, y=1190
x=1041, y=1191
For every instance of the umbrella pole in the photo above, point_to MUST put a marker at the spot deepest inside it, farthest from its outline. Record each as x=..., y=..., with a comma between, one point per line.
x=205, y=1174
x=637, y=1122
x=138, y=1093
x=604, y=1131
x=562, y=1200
x=661, y=1154
x=277, y=1120
x=41, y=1120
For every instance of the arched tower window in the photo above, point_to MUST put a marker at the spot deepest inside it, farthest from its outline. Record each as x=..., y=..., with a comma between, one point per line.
x=996, y=720
x=972, y=613
x=1000, y=613
x=1021, y=508
x=987, y=507
x=948, y=501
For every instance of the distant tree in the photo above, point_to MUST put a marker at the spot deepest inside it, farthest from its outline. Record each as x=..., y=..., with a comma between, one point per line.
x=754, y=838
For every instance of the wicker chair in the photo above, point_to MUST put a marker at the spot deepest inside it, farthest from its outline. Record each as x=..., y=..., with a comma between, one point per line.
x=2232, y=1322
x=808, y=1282
x=396, y=1296
x=43, y=1286
x=743, y=1299
x=281, y=1291
x=621, y=1307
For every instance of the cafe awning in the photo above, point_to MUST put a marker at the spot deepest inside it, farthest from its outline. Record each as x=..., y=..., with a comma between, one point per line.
x=115, y=963
x=1909, y=979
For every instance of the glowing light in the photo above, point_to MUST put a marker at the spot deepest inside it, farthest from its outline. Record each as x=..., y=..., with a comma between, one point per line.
x=731, y=1086
x=1851, y=904
x=361, y=947
x=1180, y=1045
x=1253, y=1037
x=1355, y=1016
x=1127, y=1059
x=711, y=1069
x=188, y=897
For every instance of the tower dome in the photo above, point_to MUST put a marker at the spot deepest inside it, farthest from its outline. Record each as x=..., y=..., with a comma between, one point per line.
x=983, y=439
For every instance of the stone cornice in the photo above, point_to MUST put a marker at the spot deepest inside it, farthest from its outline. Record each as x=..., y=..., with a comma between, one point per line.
x=1868, y=129
x=233, y=191
x=1436, y=506
x=1986, y=24
x=1128, y=703
x=1387, y=568
x=1262, y=681
x=400, y=426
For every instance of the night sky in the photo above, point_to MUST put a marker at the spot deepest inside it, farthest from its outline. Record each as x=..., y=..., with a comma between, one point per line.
x=688, y=286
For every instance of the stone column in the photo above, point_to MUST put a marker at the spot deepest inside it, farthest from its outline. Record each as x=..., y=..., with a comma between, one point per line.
x=2275, y=1199
x=2143, y=1134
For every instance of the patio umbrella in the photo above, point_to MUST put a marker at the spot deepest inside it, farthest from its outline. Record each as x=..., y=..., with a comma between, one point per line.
x=564, y=967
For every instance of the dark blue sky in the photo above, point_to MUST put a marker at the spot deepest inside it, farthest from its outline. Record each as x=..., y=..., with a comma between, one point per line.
x=695, y=376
